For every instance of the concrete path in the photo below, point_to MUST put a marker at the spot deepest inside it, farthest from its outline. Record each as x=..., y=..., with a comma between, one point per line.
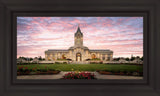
x=61, y=74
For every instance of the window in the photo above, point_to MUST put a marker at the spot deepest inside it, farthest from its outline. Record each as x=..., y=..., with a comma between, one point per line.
x=108, y=58
x=103, y=57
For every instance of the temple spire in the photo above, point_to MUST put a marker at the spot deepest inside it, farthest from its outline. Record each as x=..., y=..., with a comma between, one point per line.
x=78, y=31
x=78, y=37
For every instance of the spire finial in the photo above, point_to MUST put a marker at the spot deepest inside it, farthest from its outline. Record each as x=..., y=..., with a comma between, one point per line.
x=78, y=29
x=78, y=25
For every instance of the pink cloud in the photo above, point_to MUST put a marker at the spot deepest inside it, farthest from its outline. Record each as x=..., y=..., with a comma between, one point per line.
x=44, y=33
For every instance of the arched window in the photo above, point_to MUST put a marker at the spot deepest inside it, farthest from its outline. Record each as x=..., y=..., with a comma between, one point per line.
x=108, y=58
x=63, y=56
x=78, y=57
x=103, y=57
x=93, y=56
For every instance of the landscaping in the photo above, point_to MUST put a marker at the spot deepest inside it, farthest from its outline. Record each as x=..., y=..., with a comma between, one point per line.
x=120, y=72
x=35, y=71
x=79, y=75
x=114, y=69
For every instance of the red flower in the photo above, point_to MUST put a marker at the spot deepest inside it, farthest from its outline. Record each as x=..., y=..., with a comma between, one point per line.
x=82, y=75
x=20, y=67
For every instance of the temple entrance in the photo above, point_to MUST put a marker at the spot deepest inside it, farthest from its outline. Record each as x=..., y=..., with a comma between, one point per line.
x=63, y=56
x=93, y=56
x=78, y=57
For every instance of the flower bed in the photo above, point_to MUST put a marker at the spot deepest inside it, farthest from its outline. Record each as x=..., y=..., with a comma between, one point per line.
x=131, y=73
x=25, y=71
x=79, y=75
x=47, y=72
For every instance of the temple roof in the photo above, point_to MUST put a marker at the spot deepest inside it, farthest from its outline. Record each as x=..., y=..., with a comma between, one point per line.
x=100, y=50
x=73, y=47
x=56, y=50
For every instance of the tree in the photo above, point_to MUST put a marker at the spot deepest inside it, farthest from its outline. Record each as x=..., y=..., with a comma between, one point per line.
x=24, y=58
x=40, y=58
x=141, y=58
x=30, y=59
x=117, y=59
x=133, y=58
x=137, y=57
x=127, y=59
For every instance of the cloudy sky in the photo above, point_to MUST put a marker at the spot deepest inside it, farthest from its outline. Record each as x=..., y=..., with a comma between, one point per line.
x=123, y=35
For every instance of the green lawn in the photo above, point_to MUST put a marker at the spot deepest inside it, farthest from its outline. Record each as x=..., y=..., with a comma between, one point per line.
x=85, y=67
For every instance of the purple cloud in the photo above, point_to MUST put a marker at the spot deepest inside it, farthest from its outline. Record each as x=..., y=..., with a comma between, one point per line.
x=123, y=35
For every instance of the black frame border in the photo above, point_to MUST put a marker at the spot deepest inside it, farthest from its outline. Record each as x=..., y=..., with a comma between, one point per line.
x=150, y=86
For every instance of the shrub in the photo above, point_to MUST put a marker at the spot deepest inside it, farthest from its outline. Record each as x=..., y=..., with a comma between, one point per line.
x=64, y=62
x=51, y=69
x=101, y=62
x=124, y=72
x=23, y=70
x=43, y=70
x=34, y=69
x=93, y=62
x=116, y=71
x=58, y=63
x=38, y=69
x=80, y=75
x=96, y=59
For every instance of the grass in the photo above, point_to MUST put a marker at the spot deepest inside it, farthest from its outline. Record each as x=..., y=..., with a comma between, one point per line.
x=85, y=67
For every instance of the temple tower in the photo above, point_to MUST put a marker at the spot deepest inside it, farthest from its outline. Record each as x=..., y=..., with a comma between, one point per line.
x=78, y=38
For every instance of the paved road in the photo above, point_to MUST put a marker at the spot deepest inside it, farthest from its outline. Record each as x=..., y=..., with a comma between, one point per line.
x=61, y=74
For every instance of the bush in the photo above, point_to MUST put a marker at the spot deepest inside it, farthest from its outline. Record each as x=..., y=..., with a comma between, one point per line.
x=95, y=59
x=64, y=62
x=116, y=71
x=81, y=75
x=23, y=70
x=101, y=62
x=43, y=70
x=38, y=69
x=93, y=62
x=51, y=69
x=125, y=72
x=58, y=63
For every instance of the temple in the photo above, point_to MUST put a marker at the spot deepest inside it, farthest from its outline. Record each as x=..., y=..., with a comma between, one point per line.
x=78, y=52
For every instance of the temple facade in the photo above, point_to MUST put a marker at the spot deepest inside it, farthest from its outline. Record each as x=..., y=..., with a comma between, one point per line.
x=78, y=52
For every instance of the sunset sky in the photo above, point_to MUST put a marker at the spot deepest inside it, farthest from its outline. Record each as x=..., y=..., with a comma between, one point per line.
x=122, y=35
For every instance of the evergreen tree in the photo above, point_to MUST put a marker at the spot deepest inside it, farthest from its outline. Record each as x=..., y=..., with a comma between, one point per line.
x=133, y=58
